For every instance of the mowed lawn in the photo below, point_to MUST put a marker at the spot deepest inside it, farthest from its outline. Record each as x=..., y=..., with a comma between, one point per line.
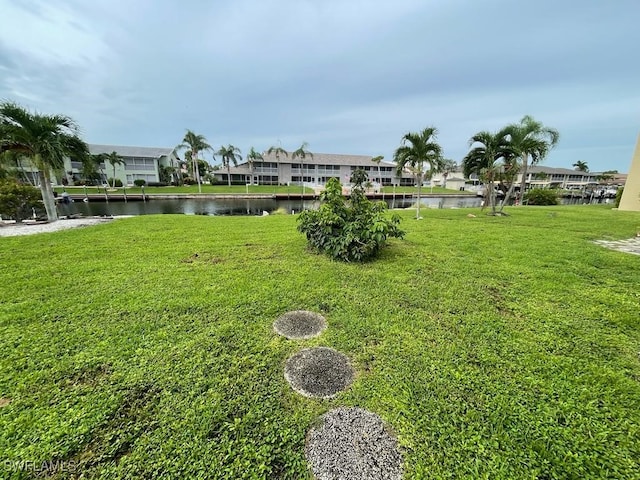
x=501, y=348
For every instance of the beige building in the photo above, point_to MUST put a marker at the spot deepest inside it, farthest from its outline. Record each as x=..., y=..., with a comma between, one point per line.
x=631, y=196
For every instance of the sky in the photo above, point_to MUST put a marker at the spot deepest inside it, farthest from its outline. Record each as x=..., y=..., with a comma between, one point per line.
x=346, y=76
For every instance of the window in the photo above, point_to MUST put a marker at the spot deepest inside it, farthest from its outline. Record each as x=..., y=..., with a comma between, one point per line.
x=140, y=176
x=139, y=163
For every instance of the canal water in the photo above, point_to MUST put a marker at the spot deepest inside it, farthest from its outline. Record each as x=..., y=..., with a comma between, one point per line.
x=236, y=206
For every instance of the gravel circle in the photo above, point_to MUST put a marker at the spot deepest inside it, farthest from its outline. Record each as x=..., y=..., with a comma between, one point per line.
x=319, y=372
x=353, y=444
x=300, y=325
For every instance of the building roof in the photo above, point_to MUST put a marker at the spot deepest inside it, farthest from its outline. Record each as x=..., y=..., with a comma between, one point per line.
x=124, y=151
x=559, y=171
x=330, y=159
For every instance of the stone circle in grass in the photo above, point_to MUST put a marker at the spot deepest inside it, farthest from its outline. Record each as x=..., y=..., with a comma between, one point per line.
x=319, y=372
x=300, y=325
x=353, y=444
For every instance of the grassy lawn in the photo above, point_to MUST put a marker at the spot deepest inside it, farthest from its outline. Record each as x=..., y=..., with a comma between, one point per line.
x=502, y=348
x=193, y=190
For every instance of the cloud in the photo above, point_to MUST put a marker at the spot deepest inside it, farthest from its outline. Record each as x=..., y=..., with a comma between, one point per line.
x=348, y=76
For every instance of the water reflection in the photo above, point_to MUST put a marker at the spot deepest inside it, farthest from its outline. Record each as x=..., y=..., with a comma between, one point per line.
x=240, y=206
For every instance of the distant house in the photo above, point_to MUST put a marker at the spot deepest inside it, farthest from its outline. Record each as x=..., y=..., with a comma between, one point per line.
x=314, y=171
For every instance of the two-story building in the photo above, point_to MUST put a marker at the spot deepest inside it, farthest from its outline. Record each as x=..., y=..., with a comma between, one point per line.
x=316, y=170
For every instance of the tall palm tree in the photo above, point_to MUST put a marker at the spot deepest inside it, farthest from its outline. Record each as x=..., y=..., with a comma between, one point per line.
x=418, y=149
x=581, y=166
x=377, y=159
x=533, y=140
x=229, y=155
x=252, y=158
x=448, y=166
x=45, y=139
x=195, y=143
x=114, y=159
x=302, y=153
x=487, y=159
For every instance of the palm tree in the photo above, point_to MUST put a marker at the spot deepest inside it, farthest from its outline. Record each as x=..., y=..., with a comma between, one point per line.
x=533, y=140
x=302, y=153
x=448, y=166
x=377, y=161
x=45, y=139
x=581, y=166
x=416, y=150
x=277, y=151
x=114, y=159
x=229, y=155
x=252, y=157
x=10, y=160
x=196, y=144
x=484, y=159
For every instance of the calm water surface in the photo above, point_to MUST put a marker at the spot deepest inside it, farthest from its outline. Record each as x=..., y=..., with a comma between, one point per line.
x=239, y=206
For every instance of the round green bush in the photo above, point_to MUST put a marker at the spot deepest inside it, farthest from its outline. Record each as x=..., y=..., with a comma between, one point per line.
x=353, y=230
x=139, y=182
x=541, y=196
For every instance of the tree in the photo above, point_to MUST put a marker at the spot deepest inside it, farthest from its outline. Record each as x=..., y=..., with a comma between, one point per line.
x=18, y=201
x=581, y=166
x=114, y=159
x=348, y=230
x=302, y=153
x=196, y=144
x=377, y=161
x=45, y=139
x=532, y=139
x=253, y=157
x=448, y=166
x=487, y=159
x=277, y=151
x=416, y=150
x=11, y=164
x=229, y=155
x=90, y=166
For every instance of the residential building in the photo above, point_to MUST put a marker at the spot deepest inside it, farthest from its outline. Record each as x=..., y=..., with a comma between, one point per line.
x=140, y=163
x=312, y=171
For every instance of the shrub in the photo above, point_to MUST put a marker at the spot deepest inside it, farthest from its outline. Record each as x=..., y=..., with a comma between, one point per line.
x=190, y=181
x=118, y=182
x=353, y=230
x=139, y=182
x=157, y=184
x=18, y=201
x=618, y=196
x=541, y=196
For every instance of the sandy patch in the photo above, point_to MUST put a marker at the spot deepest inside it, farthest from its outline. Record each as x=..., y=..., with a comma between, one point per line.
x=17, y=229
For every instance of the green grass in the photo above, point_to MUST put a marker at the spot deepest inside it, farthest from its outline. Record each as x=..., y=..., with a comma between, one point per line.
x=502, y=348
x=193, y=190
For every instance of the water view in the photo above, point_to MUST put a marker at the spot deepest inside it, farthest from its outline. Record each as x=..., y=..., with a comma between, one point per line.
x=233, y=206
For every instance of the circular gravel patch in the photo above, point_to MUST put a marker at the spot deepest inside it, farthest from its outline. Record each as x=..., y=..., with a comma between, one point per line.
x=319, y=372
x=353, y=444
x=300, y=324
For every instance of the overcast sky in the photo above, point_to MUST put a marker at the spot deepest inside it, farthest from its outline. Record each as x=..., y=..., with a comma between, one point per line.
x=347, y=76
